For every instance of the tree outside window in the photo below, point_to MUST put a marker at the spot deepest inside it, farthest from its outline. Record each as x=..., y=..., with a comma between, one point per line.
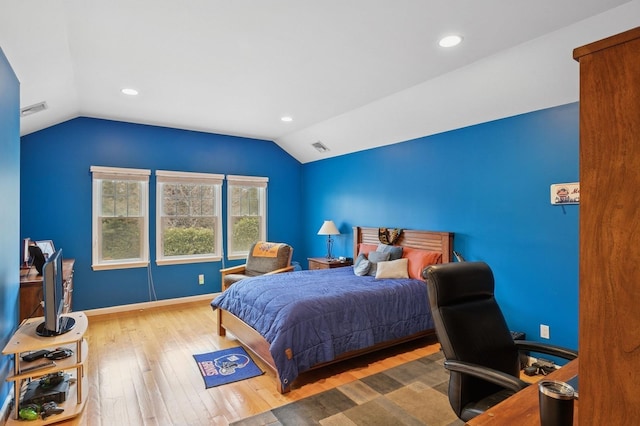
x=120, y=218
x=246, y=213
x=188, y=224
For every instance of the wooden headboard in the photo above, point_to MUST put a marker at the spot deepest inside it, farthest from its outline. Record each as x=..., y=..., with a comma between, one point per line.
x=424, y=240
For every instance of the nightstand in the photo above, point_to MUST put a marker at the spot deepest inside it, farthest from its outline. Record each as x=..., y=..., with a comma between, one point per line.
x=324, y=263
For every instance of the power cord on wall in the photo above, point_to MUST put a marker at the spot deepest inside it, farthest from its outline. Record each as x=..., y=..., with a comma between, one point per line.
x=458, y=256
x=151, y=286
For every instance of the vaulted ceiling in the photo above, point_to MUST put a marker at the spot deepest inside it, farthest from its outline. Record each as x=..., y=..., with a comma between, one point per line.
x=352, y=74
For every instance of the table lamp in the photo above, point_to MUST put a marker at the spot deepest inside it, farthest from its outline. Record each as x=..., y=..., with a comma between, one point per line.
x=328, y=228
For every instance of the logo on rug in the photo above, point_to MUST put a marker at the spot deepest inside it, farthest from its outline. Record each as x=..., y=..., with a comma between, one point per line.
x=226, y=366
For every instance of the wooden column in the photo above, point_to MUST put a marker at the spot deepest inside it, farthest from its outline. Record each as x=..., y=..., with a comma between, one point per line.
x=609, y=335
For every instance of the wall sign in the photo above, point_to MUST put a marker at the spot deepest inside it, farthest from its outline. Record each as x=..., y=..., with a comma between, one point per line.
x=565, y=193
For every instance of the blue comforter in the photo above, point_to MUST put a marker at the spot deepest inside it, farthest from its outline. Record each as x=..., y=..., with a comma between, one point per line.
x=311, y=317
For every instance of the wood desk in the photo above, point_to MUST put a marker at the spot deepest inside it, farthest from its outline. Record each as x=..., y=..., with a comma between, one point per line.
x=522, y=409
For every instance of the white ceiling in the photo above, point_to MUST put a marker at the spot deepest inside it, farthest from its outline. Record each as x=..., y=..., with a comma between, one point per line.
x=353, y=74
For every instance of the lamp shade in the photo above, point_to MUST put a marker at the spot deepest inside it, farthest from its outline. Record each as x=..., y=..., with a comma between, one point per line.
x=328, y=228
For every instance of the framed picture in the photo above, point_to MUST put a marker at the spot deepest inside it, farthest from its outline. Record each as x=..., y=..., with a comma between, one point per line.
x=47, y=247
x=565, y=193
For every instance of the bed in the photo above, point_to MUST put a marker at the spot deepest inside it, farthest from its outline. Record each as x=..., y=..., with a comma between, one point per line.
x=303, y=320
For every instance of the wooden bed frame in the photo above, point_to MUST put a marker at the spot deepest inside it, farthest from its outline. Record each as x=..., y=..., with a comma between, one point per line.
x=250, y=338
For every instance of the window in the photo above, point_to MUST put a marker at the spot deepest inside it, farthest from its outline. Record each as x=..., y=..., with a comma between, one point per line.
x=188, y=222
x=120, y=218
x=246, y=213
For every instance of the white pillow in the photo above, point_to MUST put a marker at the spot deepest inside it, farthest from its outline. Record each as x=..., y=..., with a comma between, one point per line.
x=393, y=269
x=361, y=266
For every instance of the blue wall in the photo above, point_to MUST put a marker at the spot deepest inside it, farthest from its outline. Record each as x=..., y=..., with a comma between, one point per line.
x=489, y=184
x=56, y=197
x=9, y=213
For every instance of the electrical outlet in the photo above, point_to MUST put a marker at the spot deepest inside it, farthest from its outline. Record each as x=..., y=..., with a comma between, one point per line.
x=544, y=331
x=201, y=279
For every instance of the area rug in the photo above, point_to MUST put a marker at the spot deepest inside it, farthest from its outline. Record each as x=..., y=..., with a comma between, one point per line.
x=414, y=393
x=226, y=366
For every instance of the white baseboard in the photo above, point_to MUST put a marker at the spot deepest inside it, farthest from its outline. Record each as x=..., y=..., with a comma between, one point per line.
x=149, y=305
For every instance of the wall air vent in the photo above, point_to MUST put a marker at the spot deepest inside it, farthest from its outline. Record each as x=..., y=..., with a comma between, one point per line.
x=32, y=109
x=320, y=147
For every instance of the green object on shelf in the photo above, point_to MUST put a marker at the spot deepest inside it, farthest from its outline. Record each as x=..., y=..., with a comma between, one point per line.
x=29, y=412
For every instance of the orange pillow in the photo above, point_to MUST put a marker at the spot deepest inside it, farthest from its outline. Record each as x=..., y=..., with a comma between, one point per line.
x=366, y=248
x=420, y=259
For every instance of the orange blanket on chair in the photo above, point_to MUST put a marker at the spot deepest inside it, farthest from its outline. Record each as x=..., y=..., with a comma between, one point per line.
x=264, y=249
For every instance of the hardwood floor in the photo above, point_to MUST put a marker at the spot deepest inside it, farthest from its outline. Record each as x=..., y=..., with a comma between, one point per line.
x=141, y=371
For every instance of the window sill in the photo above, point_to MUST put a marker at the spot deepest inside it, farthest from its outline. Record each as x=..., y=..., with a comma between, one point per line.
x=240, y=256
x=127, y=265
x=184, y=260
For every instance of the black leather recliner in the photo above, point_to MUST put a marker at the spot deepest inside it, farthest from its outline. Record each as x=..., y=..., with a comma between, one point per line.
x=480, y=354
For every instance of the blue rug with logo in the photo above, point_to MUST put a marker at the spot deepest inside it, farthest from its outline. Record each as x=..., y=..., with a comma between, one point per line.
x=226, y=366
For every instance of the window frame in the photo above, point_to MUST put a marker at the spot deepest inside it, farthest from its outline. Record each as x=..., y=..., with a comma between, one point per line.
x=99, y=174
x=176, y=177
x=250, y=181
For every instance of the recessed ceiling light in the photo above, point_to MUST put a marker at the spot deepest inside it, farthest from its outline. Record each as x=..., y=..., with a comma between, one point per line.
x=450, y=41
x=286, y=119
x=129, y=91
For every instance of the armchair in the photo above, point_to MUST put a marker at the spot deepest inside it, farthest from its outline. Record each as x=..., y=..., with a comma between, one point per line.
x=264, y=258
x=480, y=354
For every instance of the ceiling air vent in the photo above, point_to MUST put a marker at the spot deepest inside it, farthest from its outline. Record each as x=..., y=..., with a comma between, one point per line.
x=320, y=147
x=32, y=109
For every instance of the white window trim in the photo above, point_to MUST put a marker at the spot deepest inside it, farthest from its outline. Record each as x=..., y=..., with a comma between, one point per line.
x=248, y=180
x=259, y=181
x=100, y=172
x=177, y=176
